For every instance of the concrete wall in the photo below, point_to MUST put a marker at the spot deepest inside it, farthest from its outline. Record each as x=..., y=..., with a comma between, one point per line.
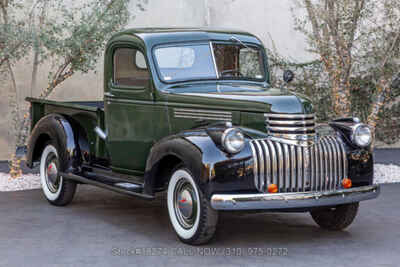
x=267, y=19
x=264, y=18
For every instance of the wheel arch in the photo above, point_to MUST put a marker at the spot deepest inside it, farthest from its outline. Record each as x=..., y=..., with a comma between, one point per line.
x=165, y=156
x=58, y=129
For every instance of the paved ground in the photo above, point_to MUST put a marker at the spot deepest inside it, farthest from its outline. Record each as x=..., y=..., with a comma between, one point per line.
x=99, y=226
x=387, y=156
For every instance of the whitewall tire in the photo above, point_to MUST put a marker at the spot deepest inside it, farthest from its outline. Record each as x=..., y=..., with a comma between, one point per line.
x=191, y=215
x=58, y=191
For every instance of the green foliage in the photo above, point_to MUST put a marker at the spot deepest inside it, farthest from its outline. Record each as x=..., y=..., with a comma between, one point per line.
x=74, y=39
x=71, y=37
x=311, y=81
x=357, y=47
x=14, y=33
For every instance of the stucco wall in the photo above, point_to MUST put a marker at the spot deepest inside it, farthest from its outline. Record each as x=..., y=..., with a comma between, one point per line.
x=267, y=19
x=264, y=18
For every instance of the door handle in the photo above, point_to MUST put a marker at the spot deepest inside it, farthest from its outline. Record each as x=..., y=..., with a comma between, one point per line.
x=109, y=94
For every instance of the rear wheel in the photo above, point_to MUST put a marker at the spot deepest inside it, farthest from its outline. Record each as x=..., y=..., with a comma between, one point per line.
x=336, y=218
x=58, y=191
x=191, y=215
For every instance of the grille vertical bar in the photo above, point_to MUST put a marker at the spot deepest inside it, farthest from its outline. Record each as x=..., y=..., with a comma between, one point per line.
x=297, y=169
x=287, y=167
x=293, y=172
x=299, y=181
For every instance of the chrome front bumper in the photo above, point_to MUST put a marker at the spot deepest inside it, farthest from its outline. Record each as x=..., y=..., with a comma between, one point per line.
x=263, y=201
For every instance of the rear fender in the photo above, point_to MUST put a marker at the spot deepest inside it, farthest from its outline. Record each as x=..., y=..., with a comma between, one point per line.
x=58, y=130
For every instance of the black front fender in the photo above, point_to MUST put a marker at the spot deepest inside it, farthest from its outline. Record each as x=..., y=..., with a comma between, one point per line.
x=214, y=170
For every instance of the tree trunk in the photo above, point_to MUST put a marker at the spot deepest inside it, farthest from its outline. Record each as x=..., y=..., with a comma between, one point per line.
x=383, y=89
x=15, y=170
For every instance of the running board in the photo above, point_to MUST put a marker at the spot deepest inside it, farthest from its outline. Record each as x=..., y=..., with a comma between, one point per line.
x=124, y=188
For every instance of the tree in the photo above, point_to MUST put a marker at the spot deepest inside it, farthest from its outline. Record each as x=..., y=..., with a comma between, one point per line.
x=73, y=41
x=354, y=39
x=14, y=43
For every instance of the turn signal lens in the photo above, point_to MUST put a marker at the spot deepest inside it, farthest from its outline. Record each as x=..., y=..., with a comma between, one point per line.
x=346, y=182
x=272, y=188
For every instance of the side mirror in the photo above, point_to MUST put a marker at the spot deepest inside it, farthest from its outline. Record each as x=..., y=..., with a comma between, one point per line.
x=288, y=76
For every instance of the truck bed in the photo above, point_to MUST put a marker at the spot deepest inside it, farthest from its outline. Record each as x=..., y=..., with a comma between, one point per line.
x=87, y=114
x=85, y=105
x=75, y=109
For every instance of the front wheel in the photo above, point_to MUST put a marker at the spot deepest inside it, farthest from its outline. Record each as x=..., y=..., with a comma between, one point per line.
x=57, y=190
x=190, y=213
x=335, y=218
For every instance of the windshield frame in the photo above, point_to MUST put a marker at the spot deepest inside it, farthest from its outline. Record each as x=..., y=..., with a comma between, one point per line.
x=211, y=43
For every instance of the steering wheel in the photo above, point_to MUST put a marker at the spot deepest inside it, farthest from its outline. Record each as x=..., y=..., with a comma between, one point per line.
x=232, y=71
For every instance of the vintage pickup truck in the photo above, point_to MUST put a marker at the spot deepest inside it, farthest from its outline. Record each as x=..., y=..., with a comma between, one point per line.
x=191, y=112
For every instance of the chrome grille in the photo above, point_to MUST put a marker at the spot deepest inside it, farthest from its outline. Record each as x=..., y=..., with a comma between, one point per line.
x=319, y=167
x=291, y=126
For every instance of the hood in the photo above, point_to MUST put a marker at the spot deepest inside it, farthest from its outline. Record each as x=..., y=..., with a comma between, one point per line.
x=243, y=97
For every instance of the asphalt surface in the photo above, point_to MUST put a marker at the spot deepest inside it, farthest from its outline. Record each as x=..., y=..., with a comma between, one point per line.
x=102, y=228
x=387, y=156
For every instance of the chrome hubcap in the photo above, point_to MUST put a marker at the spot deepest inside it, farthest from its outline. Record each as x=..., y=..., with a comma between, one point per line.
x=51, y=173
x=185, y=203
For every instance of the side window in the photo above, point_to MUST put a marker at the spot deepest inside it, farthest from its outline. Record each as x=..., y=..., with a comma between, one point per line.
x=130, y=68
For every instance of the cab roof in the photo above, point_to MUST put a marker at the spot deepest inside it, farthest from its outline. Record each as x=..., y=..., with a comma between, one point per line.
x=155, y=36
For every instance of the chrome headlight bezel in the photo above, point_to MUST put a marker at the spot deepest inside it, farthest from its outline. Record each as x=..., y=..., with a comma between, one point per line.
x=226, y=140
x=355, y=136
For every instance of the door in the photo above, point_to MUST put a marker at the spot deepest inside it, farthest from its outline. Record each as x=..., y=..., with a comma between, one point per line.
x=129, y=111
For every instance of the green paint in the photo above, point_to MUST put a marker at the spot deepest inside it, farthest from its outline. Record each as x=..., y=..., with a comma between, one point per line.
x=135, y=118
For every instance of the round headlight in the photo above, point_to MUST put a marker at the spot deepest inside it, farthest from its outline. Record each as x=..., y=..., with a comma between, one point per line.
x=362, y=135
x=233, y=140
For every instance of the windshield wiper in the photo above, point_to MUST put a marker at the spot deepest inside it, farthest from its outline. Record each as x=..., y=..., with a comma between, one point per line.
x=237, y=40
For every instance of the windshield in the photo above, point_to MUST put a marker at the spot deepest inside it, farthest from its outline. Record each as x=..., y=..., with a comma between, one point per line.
x=205, y=61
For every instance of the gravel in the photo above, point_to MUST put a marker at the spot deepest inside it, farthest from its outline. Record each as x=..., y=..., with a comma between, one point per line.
x=383, y=174
x=25, y=182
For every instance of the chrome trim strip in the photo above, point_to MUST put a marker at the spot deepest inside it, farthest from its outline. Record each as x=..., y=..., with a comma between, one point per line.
x=214, y=61
x=203, y=111
x=291, y=129
x=264, y=201
x=306, y=164
x=203, y=118
x=293, y=169
x=329, y=159
x=267, y=165
x=274, y=162
x=289, y=116
x=261, y=176
x=290, y=122
x=100, y=132
x=287, y=167
x=255, y=167
x=312, y=167
x=300, y=170
x=281, y=179
x=335, y=161
x=322, y=157
x=345, y=163
x=203, y=114
x=292, y=142
x=317, y=169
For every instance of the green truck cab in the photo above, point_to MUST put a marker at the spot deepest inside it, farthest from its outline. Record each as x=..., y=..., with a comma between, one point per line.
x=191, y=112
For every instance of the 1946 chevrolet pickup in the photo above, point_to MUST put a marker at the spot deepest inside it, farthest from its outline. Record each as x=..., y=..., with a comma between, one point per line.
x=191, y=112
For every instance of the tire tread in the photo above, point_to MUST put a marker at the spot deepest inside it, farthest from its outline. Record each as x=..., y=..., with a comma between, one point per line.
x=338, y=219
